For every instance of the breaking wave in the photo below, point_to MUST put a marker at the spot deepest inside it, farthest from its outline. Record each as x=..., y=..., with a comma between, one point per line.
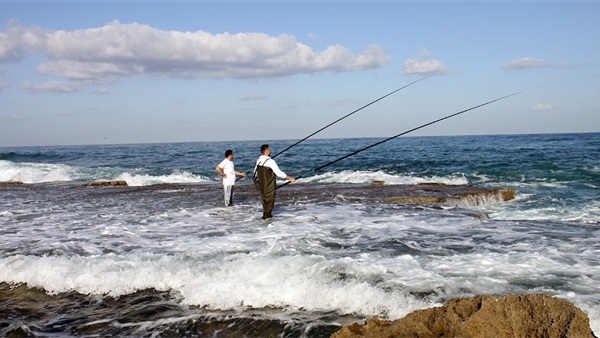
x=357, y=177
x=35, y=172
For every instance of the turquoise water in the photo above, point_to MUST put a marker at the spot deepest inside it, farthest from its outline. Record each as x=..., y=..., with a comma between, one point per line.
x=163, y=257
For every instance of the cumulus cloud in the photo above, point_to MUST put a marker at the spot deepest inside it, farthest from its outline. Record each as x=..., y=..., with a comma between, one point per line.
x=422, y=64
x=17, y=41
x=543, y=107
x=118, y=50
x=526, y=63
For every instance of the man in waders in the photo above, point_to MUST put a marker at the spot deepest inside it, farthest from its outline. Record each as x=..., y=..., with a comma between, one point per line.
x=227, y=171
x=264, y=176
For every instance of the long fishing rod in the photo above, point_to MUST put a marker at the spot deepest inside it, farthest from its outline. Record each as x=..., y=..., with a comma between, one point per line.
x=403, y=133
x=345, y=116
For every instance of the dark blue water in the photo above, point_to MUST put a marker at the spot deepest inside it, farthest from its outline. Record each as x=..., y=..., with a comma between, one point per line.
x=559, y=170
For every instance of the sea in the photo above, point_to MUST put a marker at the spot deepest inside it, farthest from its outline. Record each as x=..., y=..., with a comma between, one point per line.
x=164, y=257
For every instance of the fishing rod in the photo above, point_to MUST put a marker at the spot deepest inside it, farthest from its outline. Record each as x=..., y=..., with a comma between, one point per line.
x=345, y=116
x=398, y=135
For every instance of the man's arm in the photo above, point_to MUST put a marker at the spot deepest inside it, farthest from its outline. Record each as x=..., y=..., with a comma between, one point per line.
x=220, y=171
x=280, y=173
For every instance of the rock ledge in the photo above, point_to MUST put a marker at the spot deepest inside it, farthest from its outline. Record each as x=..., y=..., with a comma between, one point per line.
x=107, y=184
x=532, y=315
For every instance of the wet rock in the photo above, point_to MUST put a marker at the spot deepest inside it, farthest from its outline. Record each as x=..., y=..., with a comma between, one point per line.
x=107, y=184
x=10, y=183
x=532, y=315
x=425, y=193
x=416, y=200
x=508, y=194
x=448, y=194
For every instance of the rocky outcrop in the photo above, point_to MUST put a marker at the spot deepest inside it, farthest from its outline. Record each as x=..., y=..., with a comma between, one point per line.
x=107, y=184
x=424, y=193
x=511, y=316
x=447, y=194
x=5, y=185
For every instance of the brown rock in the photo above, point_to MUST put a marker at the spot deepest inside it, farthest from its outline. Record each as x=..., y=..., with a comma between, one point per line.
x=415, y=199
x=10, y=182
x=476, y=196
x=511, y=316
x=107, y=184
x=508, y=194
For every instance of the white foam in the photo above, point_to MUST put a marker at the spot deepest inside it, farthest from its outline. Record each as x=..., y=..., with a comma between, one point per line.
x=178, y=177
x=34, y=172
x=586, y=213
x=241, y=281
x=595, y=168
x=347, y=258
x=350, y=176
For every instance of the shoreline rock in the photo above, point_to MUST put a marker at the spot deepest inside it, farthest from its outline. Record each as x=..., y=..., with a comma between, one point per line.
x=119, y=183
x=530, y=315
x=10, y=182
x=423, y=193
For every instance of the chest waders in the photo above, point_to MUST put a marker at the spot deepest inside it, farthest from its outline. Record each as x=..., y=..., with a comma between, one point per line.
x=266, y=185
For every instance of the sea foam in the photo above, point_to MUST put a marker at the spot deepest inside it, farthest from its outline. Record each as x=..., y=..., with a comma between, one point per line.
x=34, y=172
x=350, y=176
x=178, y=177
x=309, y=283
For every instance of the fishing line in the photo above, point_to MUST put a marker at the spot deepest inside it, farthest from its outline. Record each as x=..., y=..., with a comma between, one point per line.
x=345, y=116
x=398, y=135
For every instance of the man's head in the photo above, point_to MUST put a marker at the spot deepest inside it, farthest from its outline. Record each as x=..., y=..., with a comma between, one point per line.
x=265, y=150
x=228, y=153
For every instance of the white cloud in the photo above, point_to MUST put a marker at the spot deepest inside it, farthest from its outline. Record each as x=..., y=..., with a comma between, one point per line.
x=135, y=50
x=53, y=86
x=423, y=65
x=254, y=96
x=16, y=41
x=543, y=107
x=102, y=91
x=526, y=63
x=15, y=117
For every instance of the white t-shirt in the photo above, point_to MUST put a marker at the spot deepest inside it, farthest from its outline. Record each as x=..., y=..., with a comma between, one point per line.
x=268, y=162
x=227, y=166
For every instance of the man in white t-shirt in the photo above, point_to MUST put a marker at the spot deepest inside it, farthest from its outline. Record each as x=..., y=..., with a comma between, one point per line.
x=227, y=171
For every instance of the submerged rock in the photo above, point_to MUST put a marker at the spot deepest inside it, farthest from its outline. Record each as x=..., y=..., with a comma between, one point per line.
x=532, y=315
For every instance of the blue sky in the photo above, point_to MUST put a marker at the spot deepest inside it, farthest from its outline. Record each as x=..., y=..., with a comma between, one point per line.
x=137, y=72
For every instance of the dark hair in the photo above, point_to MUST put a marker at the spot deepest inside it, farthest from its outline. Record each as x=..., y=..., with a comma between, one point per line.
x=228, y=152
x=263, y=148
